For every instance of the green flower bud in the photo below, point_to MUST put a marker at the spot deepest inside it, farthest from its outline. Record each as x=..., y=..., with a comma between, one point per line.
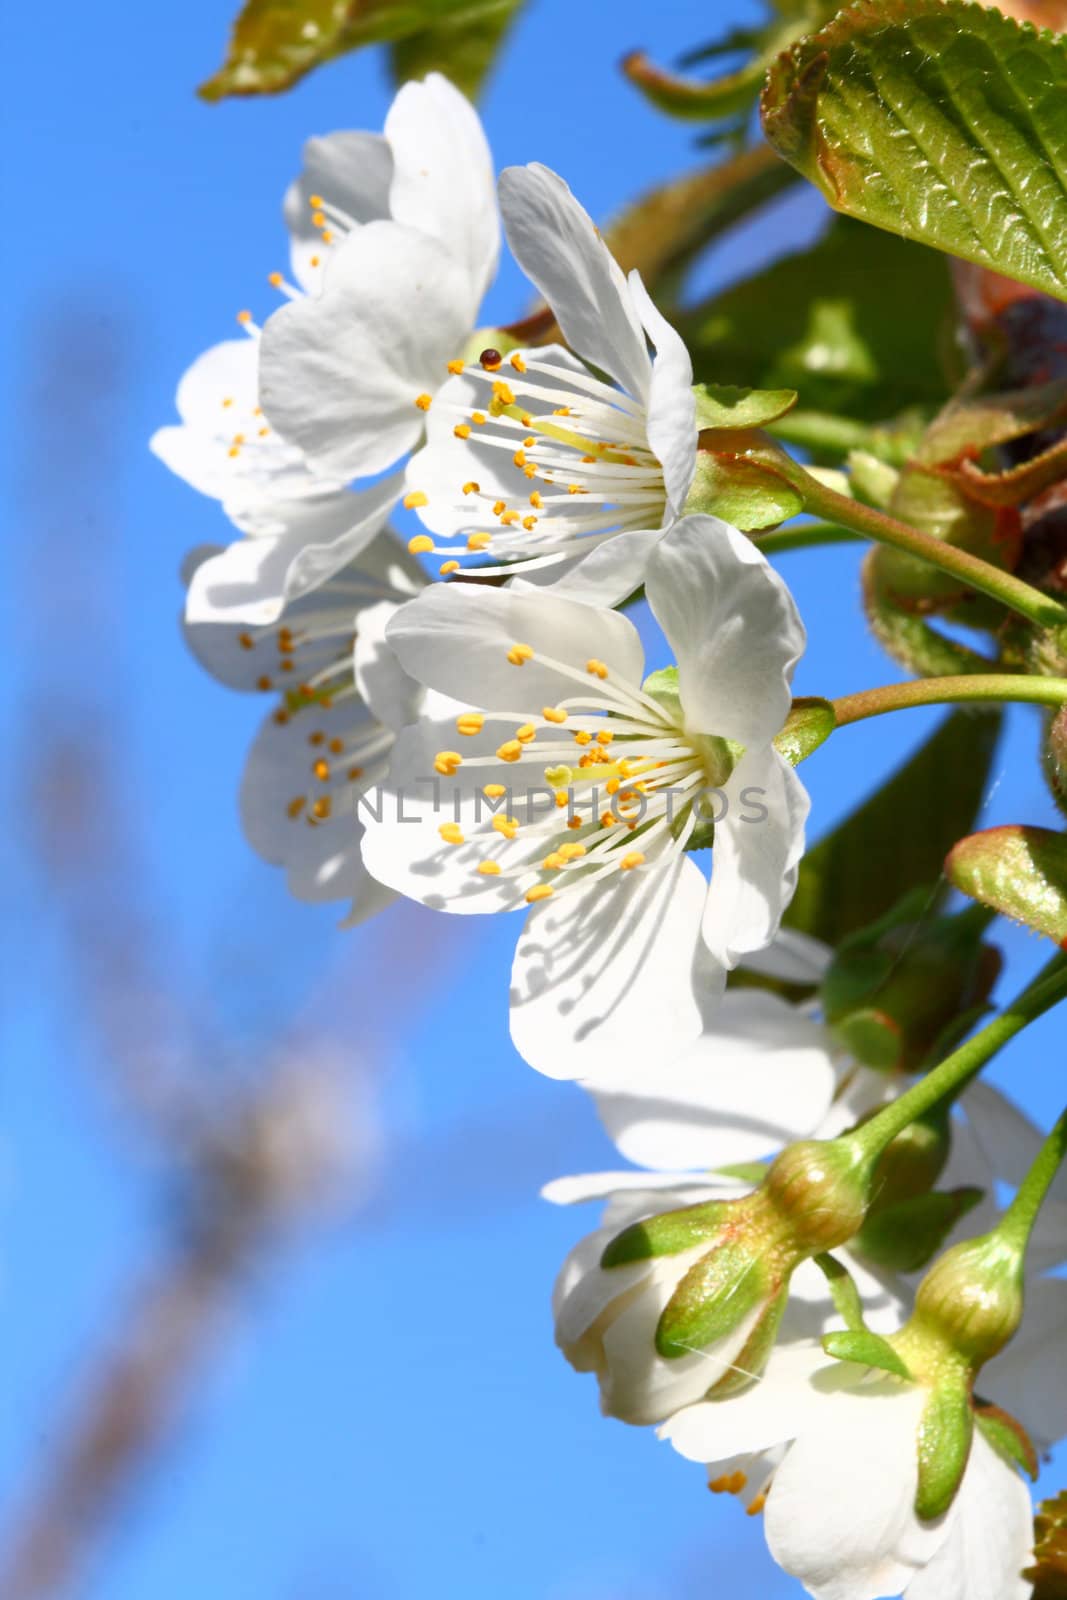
x=971, y=1300
x=819, y=1189
x=896, y=992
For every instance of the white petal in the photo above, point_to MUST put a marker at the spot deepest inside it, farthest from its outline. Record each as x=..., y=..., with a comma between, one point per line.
x=672, y=428
x=349, y=170
x=792, y=956
x=1029, y=1377
x=603, y=976
x=558, y=246
x=455, y=638
x=394, y=697
x=1009, y=1140
x=340, y=372
x=443, y=175
x=254, y=579
x=759, y=1076
x=604, y=1185
x=841, y=1512
x=608, y=574
x=733, y=626
x=758, y=845
x=770, y=1412
x=988, y=1536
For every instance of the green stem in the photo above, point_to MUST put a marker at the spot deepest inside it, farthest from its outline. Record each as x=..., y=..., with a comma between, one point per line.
x=1010, y=591
x=801, y=536
x=1017, y=1222
x=956, y=1070
x=979, y=686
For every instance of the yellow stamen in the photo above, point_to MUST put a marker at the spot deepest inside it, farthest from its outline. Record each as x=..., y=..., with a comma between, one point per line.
x=494, y=791
x=462, y=430
x=479, y=541
x=540, y=891
x=415, y=499
x=470, y=723
x=451, y=833
x=446, y=762
x=605, y=736
x=420, y=545
x=275, y=280
x=526, y=733
x=595, y=668
x=471, y=487
x=520, y=653
x=536, y=500
x=633, y=858
x=510, y=751
x=518, y=363
x=489, y=869
x=456, y=366
x=424, y=401
x=508, y=826
x=571, y=852
x=553, y=714
x=446, y=568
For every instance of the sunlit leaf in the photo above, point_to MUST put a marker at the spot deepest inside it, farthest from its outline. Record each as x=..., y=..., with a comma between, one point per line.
x=854, y=325
x=275, y=42
x=940, y=120
x=899, y=838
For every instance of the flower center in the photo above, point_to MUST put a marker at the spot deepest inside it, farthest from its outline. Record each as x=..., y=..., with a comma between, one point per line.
x=549, y=461
x=618, y=785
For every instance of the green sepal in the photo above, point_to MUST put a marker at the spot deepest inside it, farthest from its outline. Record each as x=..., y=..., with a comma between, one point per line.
x=744, y=1171
x=1020, y=871
x=809, y=724
x=1008, y=1437
x=945, y=1434
x=843, y=1292
x=663, y=687
x=750, y=1360
x=732, y=483
x=717, y=1293
x=667, y=1234
x=866, y=1349
x=905, y=1236
x=872, y=1037
x=725, y=406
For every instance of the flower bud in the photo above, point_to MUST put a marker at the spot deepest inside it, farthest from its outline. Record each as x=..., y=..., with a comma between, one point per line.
x=971, y=1300
x=819, y=1188
x=897, y=988
x=1020, y=871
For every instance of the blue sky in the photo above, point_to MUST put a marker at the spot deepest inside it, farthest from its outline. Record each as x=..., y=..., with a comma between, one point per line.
x=383, y=1413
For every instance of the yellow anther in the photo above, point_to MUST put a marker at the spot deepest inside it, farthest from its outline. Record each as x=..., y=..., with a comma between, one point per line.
x=420, y=545
x=632, y=858
x=478, y=418
x=322, y=808
x=553, y=862
x=451, y=833
x=262, y=433
x=327, y=236
x=246, y=641
x=264, y=683
x=540, y=891
x=613, y=786
x=517, y=362
x=238, y=438
x=446, y=568
x=316, y=202
x=557, y=776
x=456, y=366
x=511, y=750
x=315, y=260
x=479, y=541
x=529, y=470
x=446, y=762
x=321, y=769
x=553, y=714
x=234, y=450
x=595, y=668
x=519, y=458
x=560, y=796
x=489, y=869
x=318, y=218
x=227, y=402
x=508, y=518
x=583, y=736
x=526, y=733
x=275, y=280
x=571, y=852
x=575, y=822
x=494, y=791
x=316, y=738
x=353, y=773
x=626, y=768
x=470, y=723
x=528, y=444
x=244, y=317
x=508, y=826
x=529, y=523
x=605, y=736
x=520, y=653
x=504, y=393
x=756, y=1506
x=471, y=487
x=608, y=819
x=536, y=500
x=562, y=411
x=295, y=806
x=575, y=488
x=424, y=401
x=462, y=430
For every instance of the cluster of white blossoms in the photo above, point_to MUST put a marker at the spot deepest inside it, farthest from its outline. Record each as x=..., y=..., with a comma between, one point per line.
x=483, y=734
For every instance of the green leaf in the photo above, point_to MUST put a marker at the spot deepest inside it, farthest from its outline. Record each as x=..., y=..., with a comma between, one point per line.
x=867, y=1350
x=1007, y=1436
x=723, y=406
x=903, y=1237
x=275, y=42
x=843, y=1292
x=939, y=120
x=945, y=1434
x=810, y=722
x=854, y=324
x=1019, y=871
x=899, y=838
